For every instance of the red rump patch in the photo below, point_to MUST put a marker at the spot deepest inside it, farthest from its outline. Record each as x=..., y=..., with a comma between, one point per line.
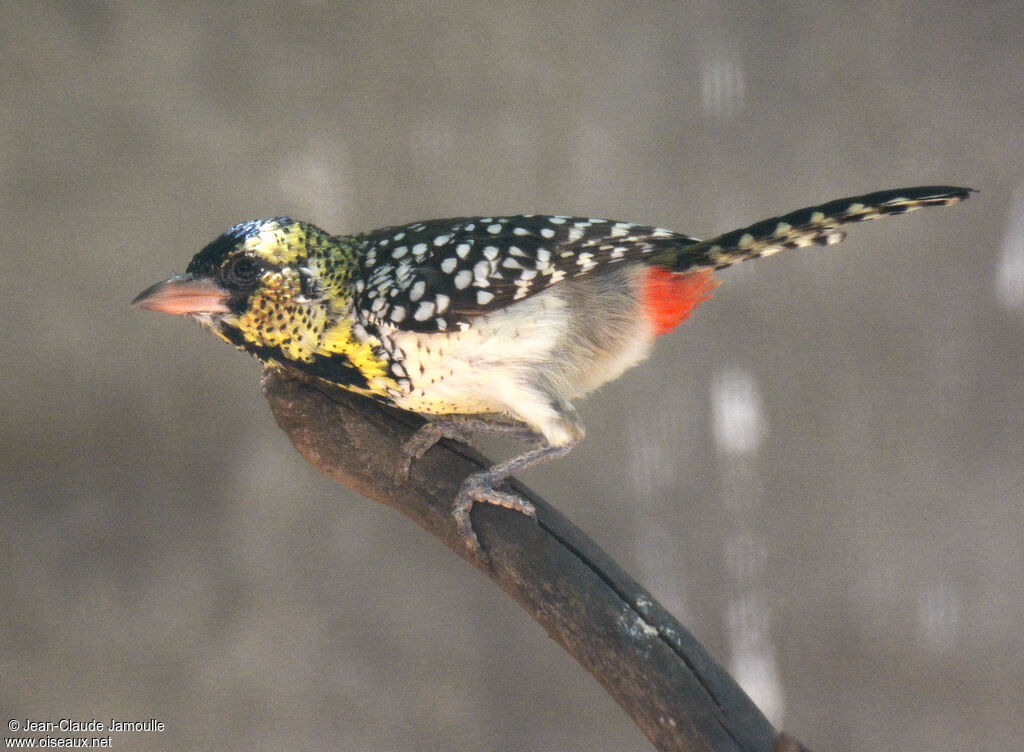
x=669, y=297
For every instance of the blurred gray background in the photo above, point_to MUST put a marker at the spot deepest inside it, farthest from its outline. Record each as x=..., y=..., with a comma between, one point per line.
x=821, y=473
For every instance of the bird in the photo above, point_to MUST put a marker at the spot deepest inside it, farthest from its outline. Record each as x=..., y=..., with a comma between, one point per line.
x=481, y=324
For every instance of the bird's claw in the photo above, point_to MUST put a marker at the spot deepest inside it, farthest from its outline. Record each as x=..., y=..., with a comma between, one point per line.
x=404, y=466
x=480, y=489
x=415, y=447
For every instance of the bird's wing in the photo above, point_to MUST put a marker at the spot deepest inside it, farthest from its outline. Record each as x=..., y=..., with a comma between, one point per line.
x=440, y=275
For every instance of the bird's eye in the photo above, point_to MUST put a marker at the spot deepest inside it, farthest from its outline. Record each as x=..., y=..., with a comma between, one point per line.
x=243, y=271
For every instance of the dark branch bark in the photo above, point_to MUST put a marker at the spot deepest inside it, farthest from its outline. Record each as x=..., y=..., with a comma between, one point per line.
x=654, y=668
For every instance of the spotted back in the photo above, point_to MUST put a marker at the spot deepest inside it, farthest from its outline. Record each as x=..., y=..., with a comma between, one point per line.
x=441, y=274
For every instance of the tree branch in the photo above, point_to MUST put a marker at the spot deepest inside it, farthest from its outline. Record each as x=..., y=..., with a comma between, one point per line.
x=653, y=667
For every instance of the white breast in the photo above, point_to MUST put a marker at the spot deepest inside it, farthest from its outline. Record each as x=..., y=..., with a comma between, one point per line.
x=529, y=359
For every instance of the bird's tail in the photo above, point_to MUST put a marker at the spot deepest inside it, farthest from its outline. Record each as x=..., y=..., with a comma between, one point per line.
x=815, y=225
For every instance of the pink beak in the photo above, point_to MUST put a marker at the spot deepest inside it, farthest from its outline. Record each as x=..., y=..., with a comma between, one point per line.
x=183, y=295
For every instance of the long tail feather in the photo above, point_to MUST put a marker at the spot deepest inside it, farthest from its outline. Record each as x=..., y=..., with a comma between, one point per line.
x=815, y=225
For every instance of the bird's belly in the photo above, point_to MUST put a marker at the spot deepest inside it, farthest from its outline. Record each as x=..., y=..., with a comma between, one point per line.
x=550, y=348
x=489, y=367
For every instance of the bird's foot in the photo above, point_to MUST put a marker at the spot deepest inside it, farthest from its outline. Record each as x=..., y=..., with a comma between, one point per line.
x=415, y=447
x=479, y=488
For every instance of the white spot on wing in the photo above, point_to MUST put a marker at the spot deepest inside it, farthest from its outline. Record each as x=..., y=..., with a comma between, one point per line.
x=480, y=271
x=425, y=311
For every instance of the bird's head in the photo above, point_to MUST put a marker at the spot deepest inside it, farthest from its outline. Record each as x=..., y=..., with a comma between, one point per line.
x=270, y=286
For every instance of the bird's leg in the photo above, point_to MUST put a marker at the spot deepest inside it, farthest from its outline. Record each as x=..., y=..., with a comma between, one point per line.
x=562, y=421
x=479, y=487
x=459, y=428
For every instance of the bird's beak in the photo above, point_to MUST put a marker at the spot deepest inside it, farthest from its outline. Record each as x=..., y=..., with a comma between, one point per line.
x=183, y=295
